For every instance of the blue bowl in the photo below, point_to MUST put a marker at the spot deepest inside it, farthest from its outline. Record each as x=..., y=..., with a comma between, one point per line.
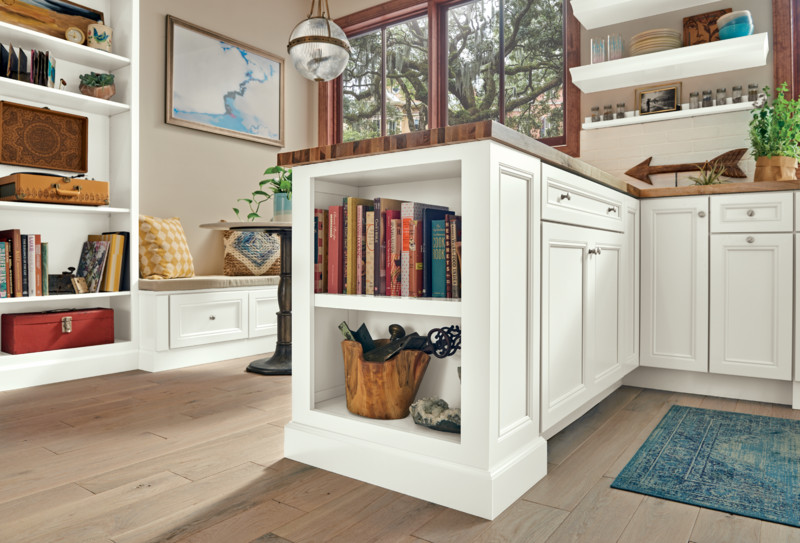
x=735, y=31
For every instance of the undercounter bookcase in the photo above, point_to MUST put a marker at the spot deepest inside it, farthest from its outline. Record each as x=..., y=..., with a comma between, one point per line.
x=113, y=143
x=499, y=453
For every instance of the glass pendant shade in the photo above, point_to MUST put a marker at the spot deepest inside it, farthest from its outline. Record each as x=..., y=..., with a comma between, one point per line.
x=319, y=49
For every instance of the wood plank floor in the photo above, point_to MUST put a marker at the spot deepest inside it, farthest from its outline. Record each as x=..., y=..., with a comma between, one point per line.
x=196, y=455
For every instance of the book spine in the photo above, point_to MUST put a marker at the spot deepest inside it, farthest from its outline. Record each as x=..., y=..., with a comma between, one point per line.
x=25, y=266
x=369, y=253
x=359, y=256
x=335, y=250
x=448, y=278
x=380, y=255
x=454, y=242
x=343, y=222
x=438, y=287
x=324, y=256
x=45, y=270
x=415, y=259
x=37, y=248
x=31, y=265
x=3, y=269
x=406, y=215
x=396, y=230
x=376, y=247
x=317, y=270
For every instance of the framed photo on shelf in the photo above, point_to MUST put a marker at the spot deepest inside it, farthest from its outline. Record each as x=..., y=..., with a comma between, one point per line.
x=658, y=99
x=223, y=86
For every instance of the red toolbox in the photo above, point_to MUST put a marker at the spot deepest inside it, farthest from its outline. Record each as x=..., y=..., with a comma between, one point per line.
x=51, y=330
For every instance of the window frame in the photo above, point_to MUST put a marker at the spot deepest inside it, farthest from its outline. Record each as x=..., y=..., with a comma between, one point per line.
x=398, y=11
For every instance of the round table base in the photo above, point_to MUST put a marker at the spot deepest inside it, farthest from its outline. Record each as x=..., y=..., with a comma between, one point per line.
x=279, y=364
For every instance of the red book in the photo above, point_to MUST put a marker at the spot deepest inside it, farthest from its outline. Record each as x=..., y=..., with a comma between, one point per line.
x=335, y=247
x=38, y=260
x=391, y=214
x=14, y=238
x=415, y=259
x=396, y=232
x=359, y=253
x=321, y=276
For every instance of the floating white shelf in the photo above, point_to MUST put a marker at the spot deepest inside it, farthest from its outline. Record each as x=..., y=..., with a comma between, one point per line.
x=684, y=113
x=673, y=65
x=61, y=49
x=10, y=88
x=597, y=13
x=442, y=307
x=61, y=208
x=60, y=297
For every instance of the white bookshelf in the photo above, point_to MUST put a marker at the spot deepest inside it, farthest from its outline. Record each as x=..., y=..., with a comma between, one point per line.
x=113, y=156
x=499, y=454
x=674, y=64
x=685, y=112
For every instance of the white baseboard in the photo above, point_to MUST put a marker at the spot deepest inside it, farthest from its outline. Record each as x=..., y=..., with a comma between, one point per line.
x=184, y=357
x=484, y=493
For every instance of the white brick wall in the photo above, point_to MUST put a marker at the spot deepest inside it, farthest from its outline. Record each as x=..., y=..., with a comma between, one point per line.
x=676, y=141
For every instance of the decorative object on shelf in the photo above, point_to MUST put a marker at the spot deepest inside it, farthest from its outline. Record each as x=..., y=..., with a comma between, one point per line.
x=52, y=189
x=43, y=138
x=752, y=92
x=614, y=45
x=729, y=160
x=694, y=100
x=52, y=330
x=702, y=28
x=75, y=35
x=97, y=85
x=281, y=187
x=598, y=50
x=61, y=284
x=250, y=253
x=774, y=134
x=443, y=342
x=163, y=249
x=53, y=18
x=318, y=47
x=653, y=41
x=608, y=114
x=658, y=99
x=436, y=414
x=79, y=285
x=596, y=114
x=710, y=174
x=62, y=84
x=736, y=94
x=203, y=67
x=382, y=390
x=708, y=101
x=99, y=37
x=621, y=110
x=722, y=96
x=735, y=25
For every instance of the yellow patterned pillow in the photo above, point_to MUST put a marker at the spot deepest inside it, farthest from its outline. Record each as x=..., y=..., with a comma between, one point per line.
x=163, y=250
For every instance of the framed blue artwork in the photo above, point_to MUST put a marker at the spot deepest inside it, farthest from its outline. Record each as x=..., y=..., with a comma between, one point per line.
x=220, y=85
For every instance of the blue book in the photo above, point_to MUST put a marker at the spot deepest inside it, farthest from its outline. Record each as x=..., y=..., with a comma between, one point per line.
x=429, y=215
x=438, y=262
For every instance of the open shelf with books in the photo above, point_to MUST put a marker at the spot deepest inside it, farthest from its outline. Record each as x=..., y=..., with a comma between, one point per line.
x=112, y=143
x=491, y=187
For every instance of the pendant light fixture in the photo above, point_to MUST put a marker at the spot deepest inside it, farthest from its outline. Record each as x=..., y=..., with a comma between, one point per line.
x=318, y=47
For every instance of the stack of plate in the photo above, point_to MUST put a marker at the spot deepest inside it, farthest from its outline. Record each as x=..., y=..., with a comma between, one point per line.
x=652, y=41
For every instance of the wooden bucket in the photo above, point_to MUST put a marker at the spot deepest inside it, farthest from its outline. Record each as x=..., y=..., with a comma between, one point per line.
x=776, y=168
x=382, y=390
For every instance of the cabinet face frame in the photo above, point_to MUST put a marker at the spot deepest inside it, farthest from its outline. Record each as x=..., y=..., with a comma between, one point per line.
x=663, y=257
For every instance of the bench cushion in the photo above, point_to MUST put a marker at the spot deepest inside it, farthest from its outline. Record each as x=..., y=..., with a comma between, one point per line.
x=202, y=282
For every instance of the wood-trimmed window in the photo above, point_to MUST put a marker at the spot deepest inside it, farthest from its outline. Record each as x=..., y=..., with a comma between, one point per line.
x=518, y=88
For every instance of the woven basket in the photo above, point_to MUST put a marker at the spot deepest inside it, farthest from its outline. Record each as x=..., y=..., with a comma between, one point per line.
x=251, y=253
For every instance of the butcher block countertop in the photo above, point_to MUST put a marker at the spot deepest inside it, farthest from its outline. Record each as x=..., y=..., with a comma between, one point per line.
x=490, y=130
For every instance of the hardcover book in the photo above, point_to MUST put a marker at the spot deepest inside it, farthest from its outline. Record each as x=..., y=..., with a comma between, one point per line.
x=396, y=237
x=45, y=270
x=3, y=270
x=411, y=211
x=37, y=262
x=391, y=214
x=25, y=264
x=455, y=266
x=381, y=205
x=13, y=237
x=335, y=232
x=321, y=282
x=438, y=286
x=429, y=215
x=369, y=254
x=112, y=274
x=415, y=259
x=125, y=276
x=351, y=237
x=448, y=279
x=358, y=249
x=92, y=263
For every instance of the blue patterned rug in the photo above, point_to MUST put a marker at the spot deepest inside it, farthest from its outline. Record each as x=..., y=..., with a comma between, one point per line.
x=743, y=464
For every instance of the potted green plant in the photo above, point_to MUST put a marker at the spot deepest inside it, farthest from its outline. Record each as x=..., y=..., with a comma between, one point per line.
x=774, y=133
x=281, y=186
x=97, y=85
x=710, y=174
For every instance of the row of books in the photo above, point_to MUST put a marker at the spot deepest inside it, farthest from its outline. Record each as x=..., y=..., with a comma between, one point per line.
x=31, y=66
x=24, y=264
x=387, y=247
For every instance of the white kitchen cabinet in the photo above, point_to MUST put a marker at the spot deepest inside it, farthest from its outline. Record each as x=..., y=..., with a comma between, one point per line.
x=582, y=317
x=751, y=305
x=629, y=346
x=674, y=283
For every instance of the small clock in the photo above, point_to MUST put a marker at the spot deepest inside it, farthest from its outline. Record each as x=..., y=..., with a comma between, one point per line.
x=75, y=35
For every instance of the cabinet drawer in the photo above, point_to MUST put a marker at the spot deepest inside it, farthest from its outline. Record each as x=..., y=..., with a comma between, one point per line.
x=762, y=212
x=264, y=312
x=570, y=199
x=198, y=319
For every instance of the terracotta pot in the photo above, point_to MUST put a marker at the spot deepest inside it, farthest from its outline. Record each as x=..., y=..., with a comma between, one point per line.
x=776, y=168
x=99, y=92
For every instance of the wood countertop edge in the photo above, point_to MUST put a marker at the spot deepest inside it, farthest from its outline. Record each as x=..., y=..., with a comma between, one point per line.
x=724, y=188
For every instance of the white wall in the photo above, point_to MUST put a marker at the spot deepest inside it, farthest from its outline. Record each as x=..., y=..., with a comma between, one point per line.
x=697, y=139
x=196, y=175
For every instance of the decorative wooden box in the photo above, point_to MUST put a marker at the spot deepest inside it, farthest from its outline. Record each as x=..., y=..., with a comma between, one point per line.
x=42, y=138
x=52, y=189
x=51, y=330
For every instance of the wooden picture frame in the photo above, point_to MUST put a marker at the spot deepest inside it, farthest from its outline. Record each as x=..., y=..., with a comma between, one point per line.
x=220, y=85
x=660, y=99
x=53, y=20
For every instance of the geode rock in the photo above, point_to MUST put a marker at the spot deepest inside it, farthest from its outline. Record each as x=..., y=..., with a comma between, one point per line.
x=434, y=413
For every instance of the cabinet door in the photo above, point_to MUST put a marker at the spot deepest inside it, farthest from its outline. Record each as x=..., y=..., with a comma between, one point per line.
x=629, y=347
x=751, y=305
x=605, y=302
x=564, y=318
x=674, y=285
